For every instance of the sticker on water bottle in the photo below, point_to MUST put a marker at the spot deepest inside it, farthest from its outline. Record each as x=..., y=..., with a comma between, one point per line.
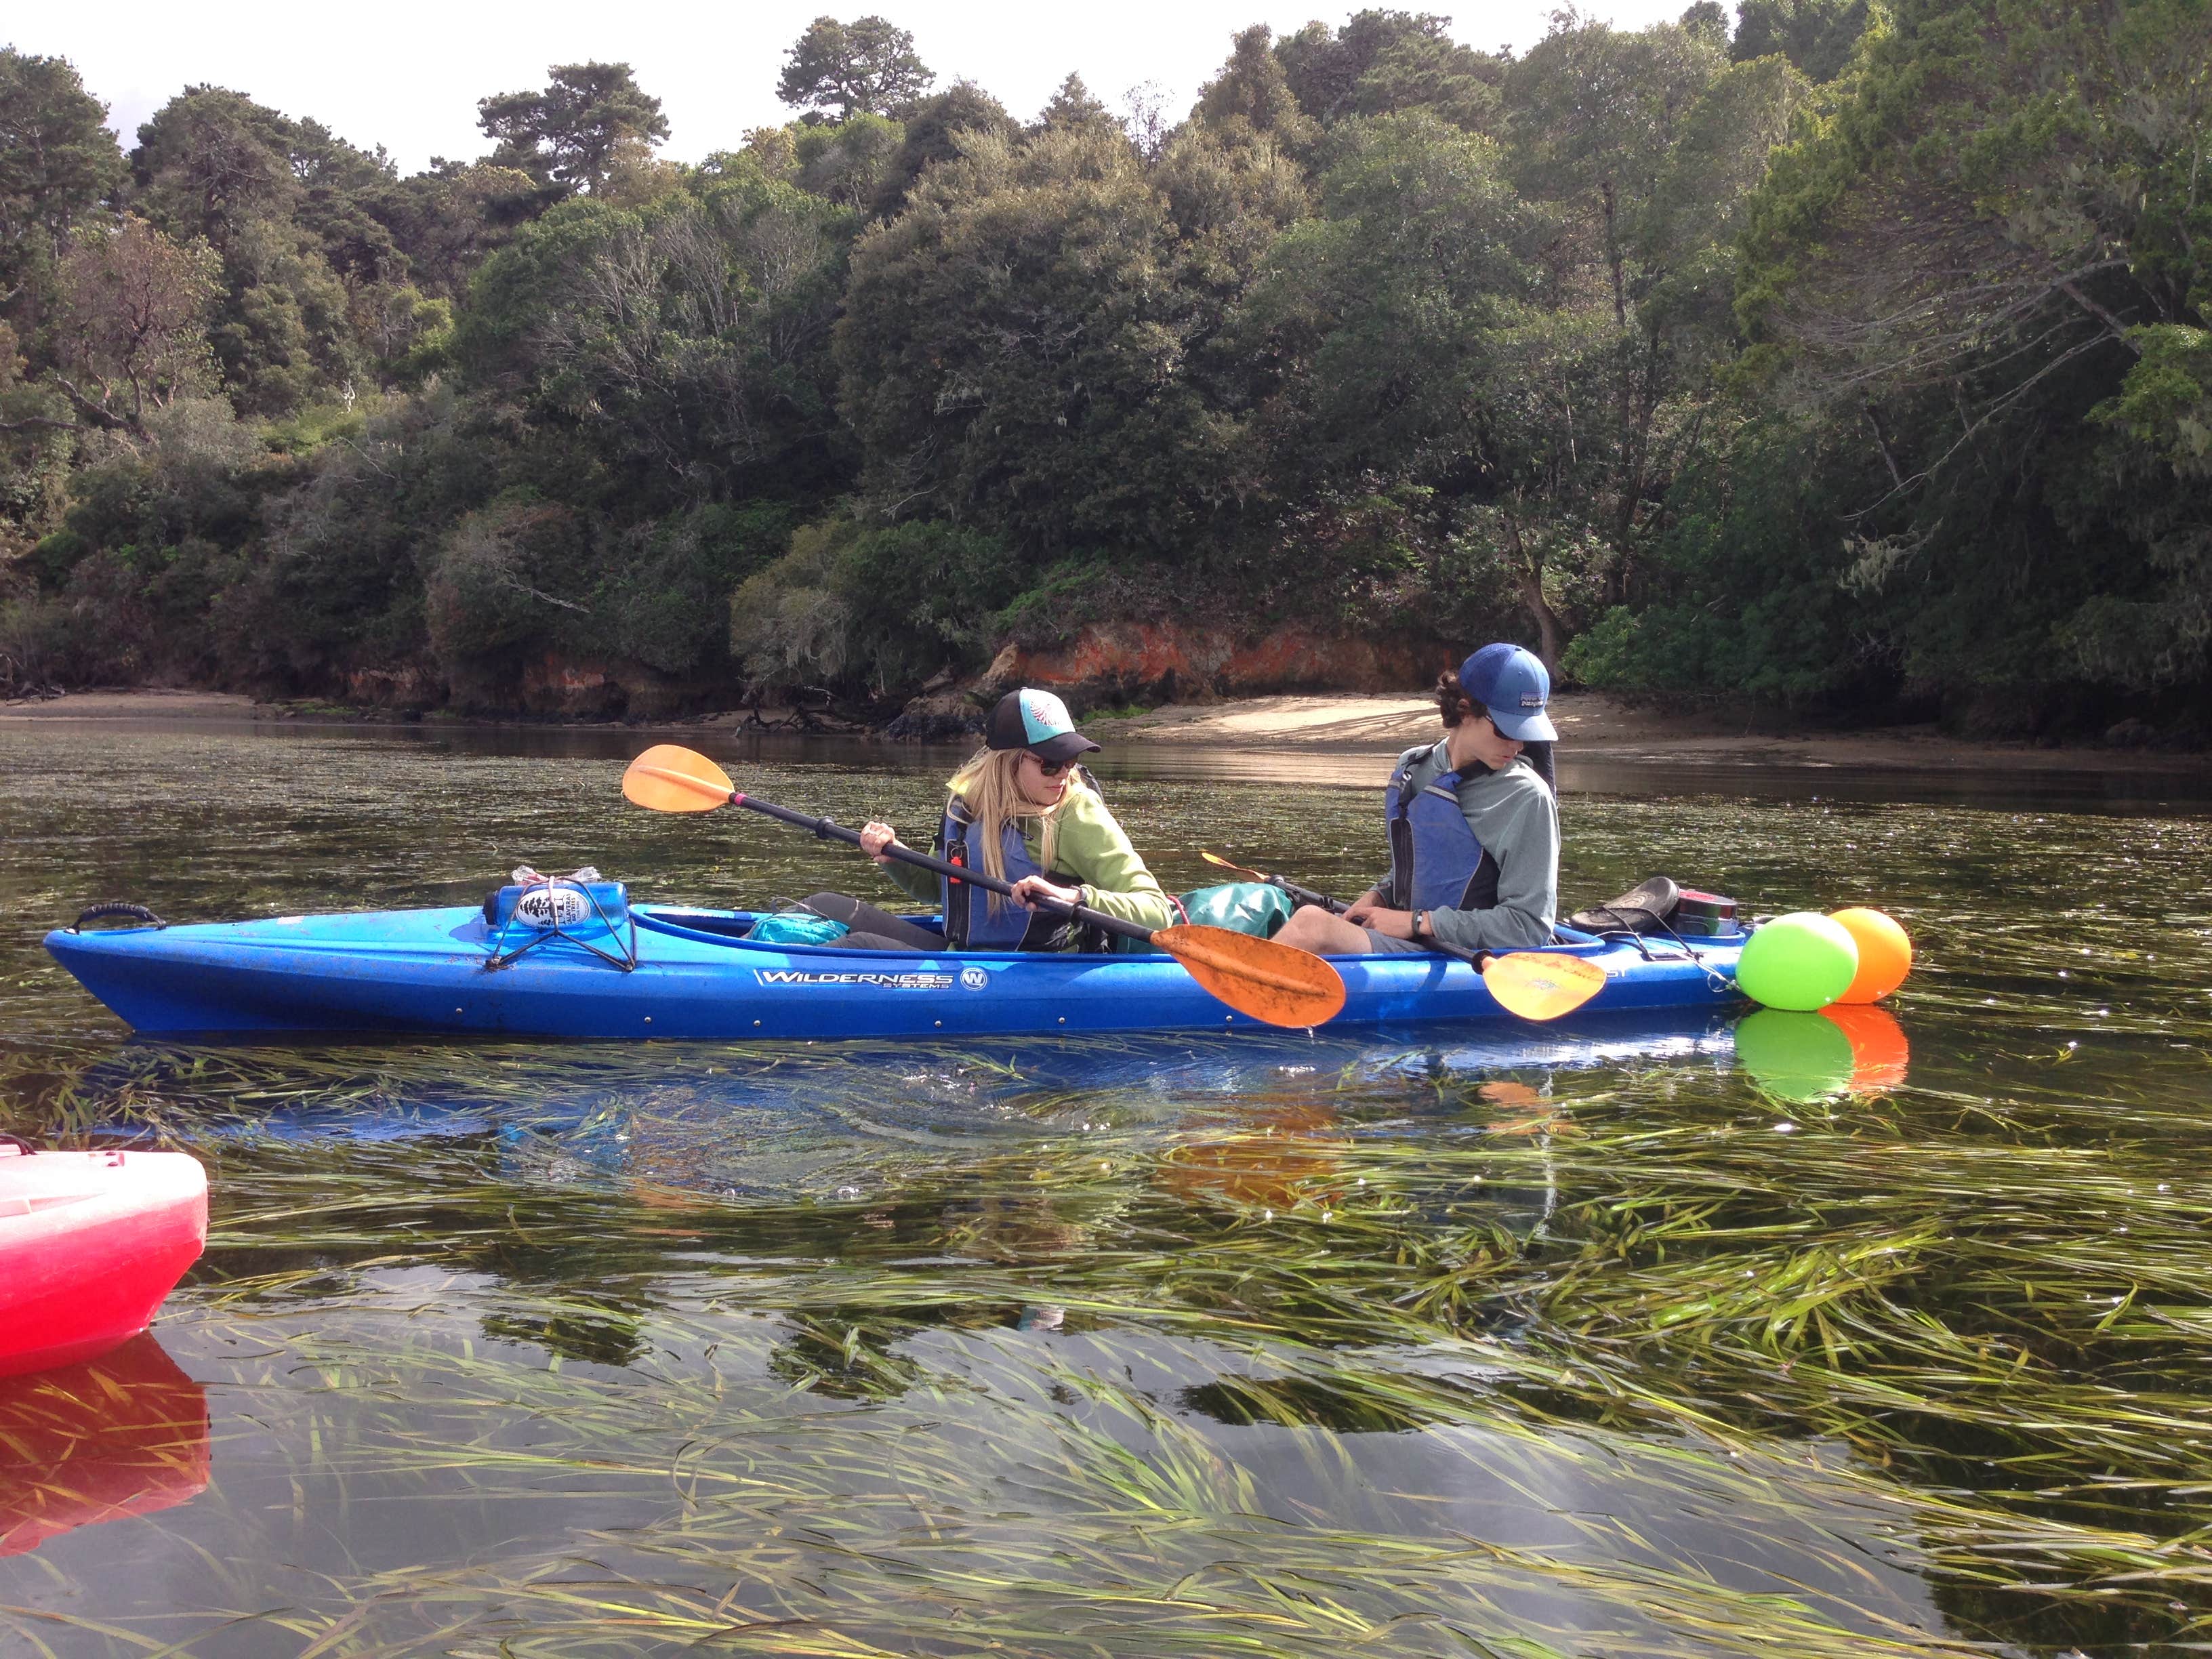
x=552, y=907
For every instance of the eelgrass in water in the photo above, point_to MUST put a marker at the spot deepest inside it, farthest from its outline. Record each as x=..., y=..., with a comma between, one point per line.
x=1110, y=1349
x=1621, y=1359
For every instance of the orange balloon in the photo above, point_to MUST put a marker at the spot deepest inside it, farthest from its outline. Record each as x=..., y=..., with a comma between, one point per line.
x=1879, y=1055
x=1884, y=954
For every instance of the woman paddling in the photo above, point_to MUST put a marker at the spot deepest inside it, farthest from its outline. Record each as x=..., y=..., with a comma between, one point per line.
x=1473, y=824
x=1023, y=810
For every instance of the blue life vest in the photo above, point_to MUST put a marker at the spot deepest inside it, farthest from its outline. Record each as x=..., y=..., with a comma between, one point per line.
x=974, y=918
x=1436, y=862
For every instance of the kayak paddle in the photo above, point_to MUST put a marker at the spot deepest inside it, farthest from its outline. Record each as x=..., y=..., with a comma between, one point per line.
x=1534, y=984
x=1275, y=984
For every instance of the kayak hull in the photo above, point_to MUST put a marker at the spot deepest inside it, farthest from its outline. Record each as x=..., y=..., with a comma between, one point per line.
x=429, y=972
x=90, y=1243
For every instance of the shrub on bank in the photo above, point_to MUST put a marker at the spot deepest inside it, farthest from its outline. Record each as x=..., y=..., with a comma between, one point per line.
x=883, y=607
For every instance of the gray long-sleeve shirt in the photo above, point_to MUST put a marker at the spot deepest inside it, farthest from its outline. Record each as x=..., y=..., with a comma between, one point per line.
x=1515, y=818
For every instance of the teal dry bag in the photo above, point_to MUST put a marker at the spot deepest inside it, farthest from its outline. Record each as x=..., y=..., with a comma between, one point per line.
x=1242, y=907
x=796, y=926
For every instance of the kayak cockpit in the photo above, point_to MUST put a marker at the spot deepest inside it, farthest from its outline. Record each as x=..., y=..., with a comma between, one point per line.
x=731, y=926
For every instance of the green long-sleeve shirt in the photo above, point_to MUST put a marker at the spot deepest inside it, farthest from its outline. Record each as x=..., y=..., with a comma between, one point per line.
x=1093, y=848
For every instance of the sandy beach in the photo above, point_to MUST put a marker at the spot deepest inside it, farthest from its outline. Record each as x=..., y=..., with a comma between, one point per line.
x=1596, y=727
x=1593, y=728
x=139, y=704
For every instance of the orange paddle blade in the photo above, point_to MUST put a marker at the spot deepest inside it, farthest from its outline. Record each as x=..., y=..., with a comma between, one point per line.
x=1278, y=984
x=669, y=778
x=1217, y=860
x=1538, y=985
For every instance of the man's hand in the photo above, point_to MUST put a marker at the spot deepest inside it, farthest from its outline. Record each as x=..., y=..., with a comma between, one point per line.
x=1391, y=924
x=1361, y=907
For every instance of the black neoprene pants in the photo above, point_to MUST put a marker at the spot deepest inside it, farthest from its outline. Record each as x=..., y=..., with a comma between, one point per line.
x=874, y=929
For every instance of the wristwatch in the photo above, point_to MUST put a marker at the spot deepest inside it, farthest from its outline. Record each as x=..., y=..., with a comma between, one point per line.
x=1421, y=925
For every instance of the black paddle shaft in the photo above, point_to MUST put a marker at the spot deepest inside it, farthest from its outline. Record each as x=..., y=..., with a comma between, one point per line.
x=1337, y=907
x=831, y=830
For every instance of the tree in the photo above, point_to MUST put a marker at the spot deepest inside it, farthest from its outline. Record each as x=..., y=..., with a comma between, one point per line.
x=285, y=333
x=132, y=309
x=865, y=65
x=1012, y=354
x=1253, y=88
x=301, y=219
x=1598, y=116
x=57, y=159
x=931, y=132
x=1596, y=113
x=1425, y=71
x=688, y=339
x=1818, y=36
x=1229, y=194
x=1979, y=269
x=448, y=220
x=1708, y=20
x=846, y=163
x=211, y=161
x=1145, y=117
x=1383, y=320
x=590, y=123
x=1324, y=68
x=1073, y=106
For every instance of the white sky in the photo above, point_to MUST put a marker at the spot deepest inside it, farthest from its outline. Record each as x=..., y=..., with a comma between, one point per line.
x=407, y=75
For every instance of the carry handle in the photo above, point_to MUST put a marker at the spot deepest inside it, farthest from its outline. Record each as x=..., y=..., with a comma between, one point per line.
x=138, y=913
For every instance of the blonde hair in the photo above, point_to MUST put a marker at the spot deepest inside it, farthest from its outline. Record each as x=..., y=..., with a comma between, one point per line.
x=990, y=786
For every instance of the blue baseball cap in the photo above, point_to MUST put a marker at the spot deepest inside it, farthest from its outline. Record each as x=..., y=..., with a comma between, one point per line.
x=1512, y=686
x=1038, y=722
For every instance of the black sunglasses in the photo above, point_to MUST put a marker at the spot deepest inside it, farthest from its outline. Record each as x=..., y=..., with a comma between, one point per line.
x=1050, y=769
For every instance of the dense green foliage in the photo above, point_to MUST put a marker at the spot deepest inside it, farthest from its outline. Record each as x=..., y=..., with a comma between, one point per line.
x=1850, y=358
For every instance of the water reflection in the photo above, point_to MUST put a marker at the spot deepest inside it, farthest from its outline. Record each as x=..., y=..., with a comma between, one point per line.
x=1860, y=1050
x=773, y=1122
x=104, y=1440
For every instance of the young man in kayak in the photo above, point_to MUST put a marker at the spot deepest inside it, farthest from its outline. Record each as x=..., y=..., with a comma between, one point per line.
x=1473, y=825
x=1023, y=810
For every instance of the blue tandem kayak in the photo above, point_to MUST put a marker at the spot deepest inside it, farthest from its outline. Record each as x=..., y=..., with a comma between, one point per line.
x=449, y=971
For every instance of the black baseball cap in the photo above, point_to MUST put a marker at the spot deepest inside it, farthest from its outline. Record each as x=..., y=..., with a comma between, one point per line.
x=1038, y=722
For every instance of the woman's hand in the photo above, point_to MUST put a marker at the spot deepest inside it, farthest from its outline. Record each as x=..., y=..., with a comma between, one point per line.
x=874, y=838
x=1029, y=889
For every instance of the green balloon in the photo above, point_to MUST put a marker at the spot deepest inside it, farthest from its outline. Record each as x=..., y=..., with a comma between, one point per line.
x=1802, y=961
x=1801, y=1057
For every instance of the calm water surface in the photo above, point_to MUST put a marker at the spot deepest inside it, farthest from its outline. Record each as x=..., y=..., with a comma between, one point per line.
x=1769, y=1338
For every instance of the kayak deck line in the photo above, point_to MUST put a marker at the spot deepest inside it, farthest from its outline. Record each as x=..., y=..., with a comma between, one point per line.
x=425, y=972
